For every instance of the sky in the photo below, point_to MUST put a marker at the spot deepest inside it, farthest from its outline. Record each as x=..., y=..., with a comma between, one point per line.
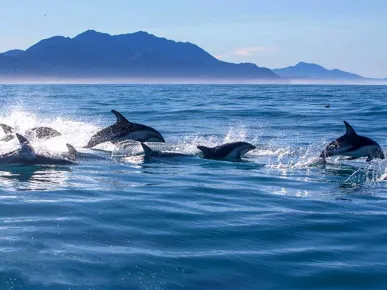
x=345, y=34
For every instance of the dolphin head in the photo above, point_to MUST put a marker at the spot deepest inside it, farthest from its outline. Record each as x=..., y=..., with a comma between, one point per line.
x=230, y=151
x=246, y=147
x=154, y=136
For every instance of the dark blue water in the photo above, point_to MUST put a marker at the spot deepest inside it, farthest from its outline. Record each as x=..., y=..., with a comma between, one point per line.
x=278, y=220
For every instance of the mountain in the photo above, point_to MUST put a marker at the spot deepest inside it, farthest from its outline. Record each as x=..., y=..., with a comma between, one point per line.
x=13, y=52
x=304, y=70
x=94, y=54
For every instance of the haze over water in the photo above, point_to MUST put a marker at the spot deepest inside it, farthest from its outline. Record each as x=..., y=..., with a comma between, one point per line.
x=277, y=220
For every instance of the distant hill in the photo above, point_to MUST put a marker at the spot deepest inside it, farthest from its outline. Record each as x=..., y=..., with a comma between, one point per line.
x=100, y=55
x=304, y=70
x=13, y=52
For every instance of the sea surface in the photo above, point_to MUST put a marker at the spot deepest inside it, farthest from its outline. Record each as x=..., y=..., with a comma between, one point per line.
x=277, y=220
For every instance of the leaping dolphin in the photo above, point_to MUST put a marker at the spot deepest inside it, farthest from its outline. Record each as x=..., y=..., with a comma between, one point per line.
x=229, y=151
x=38, y=132
x=353, y=145
x=26, y=155
x=43, y=132
x=124, y=130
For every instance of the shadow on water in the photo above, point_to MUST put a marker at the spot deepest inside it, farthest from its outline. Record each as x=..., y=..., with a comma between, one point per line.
x=34, y=177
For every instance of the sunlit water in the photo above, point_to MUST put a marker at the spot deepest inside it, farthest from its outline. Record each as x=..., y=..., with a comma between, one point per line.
x=277, y=220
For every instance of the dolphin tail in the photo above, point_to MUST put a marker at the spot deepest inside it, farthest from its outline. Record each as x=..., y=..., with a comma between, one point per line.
x=73, y=153
x=7, y=129
x=147, y=150
x=120, y=117
x=206, y=150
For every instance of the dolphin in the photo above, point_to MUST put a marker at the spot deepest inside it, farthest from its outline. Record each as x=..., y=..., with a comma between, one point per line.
x=26, y=155
x=124, y=130
x=38, y=132
x=353, y=145
x=43, y=132
x=149, y=153
x=229, y=151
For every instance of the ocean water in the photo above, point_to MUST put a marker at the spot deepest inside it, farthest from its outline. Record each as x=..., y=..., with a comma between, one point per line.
x=277, y=220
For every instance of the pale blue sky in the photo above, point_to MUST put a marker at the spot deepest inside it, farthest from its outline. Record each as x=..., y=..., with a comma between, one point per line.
x=345, y=34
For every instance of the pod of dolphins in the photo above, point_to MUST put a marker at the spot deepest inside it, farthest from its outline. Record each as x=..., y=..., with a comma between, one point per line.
x=350, y=144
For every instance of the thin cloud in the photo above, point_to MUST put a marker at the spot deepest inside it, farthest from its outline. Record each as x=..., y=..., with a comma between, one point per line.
x=220, y=56
x=250, y=51
x=247, y=51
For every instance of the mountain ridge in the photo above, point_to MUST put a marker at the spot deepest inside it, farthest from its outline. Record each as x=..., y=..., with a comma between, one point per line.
x=315, y=71
x=138, y=54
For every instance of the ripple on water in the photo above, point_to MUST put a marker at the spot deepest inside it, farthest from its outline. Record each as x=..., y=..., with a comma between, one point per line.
x=278, y=220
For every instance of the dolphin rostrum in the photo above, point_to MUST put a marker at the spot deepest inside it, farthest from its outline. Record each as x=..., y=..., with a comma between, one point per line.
x=353, y=145
x=229, y=151
x=124, y=130
x=26, y=155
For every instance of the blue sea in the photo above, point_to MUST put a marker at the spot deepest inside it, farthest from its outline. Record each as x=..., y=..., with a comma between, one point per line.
x=276, y=220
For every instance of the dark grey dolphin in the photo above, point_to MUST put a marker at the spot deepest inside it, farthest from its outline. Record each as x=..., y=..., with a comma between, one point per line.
x=353, y=145
x=229, y=151
x=149, y=153
x=43, y=132
x=38, y=132
x=26, y=155
x=124, y=130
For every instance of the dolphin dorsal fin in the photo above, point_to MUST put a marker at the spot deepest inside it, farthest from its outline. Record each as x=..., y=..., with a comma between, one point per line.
x=120, y=117
x=147, y=150
x=349, y=129
x=22, y=140
x=7, y=129
x=72, y=152
x=206, y=150
x=26, y=147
